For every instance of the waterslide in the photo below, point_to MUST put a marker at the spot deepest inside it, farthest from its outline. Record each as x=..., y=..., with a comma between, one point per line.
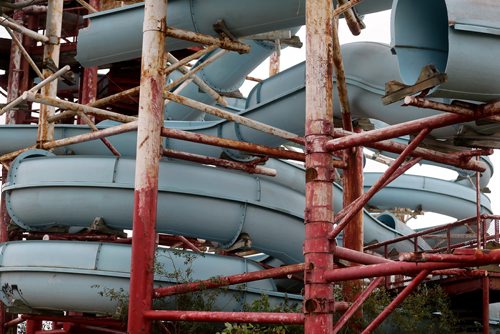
x=72, y=186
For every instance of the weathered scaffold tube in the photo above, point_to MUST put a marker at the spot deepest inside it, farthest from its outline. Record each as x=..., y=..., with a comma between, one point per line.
x=318, y=297
x=51, y=54
x=147, y=166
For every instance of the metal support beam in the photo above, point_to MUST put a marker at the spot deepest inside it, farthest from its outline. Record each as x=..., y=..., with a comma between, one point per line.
x=406, y=128
x=51, y=53
x=229, y=280
x=147, y=165
x=318, y=297
x=251, y=317
x=256, y=125
x=358, y=302
x=406, y=268
x=223, y=43
x=486, y=304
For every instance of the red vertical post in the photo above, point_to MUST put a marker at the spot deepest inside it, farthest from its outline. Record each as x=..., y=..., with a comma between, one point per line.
x=318, y=297
x=353, y=232
x=486, y=305
x=51, y=52
x=88, y=89
x=15, y=70
x=147, y=163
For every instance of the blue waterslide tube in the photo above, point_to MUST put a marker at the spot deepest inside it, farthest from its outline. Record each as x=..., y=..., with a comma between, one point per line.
x=193, y=200
x=38, y=276
x=459, y=37
x=116, y=35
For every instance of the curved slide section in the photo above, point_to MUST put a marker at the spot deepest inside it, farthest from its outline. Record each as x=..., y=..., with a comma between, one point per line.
x=450, y=34
x=123, y=26
x=225, y=203
x=39, y=276
x=428, y=194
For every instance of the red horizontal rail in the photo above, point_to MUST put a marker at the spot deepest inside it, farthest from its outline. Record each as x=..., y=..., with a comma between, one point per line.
x=250, y=317
x=427, y=231
x=407, y=268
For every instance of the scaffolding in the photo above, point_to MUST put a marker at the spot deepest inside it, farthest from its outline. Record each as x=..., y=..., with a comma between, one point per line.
x=322, y=140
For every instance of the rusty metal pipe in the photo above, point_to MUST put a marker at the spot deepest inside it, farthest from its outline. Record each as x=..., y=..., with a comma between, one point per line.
x=357, y=304
x=252, y=169
x=223, y=43
x=318, y=218
x=24, y=52
x=150, y=122
x=404, y=268
x=228, y=280
x=194, y=70
x=51, y=54
x=452, y=159
x=7, y=22
x=35, y=88
x=357, y=256
x=250, y=317
x=233, y=144
x=76, y=107
x=398, y=300
x=105, y=141
x=234, y=117
x=176, y=64
x=199, y=82
x=406, y=128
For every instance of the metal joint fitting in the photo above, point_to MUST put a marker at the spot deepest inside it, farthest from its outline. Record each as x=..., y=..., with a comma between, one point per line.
x=315, y=276
x=53, y=40
x=318, y=215
x=157, y=25
x=318, y=246
x=316, y=144
x=319, y=305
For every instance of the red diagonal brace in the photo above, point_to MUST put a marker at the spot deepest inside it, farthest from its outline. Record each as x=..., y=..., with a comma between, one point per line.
x=357, y=304
x=390, y=174
x=398, y=300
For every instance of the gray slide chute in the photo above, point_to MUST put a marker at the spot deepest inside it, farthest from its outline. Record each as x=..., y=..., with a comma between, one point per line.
x=262, y=207
x=450, y=34
x=39, y=276
x=123, y=26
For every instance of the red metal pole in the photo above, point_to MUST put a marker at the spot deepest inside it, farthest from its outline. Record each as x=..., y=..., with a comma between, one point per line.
x=420, y=152
x=318, y=297
x=90, y=79
x=357, y=304
x=251, y=317
x=398, y=300
x=405, y=268
x=353, y=232
x=229, y=280
x=358, y=257
x=478, y=210
x=147, y=164
x=406, y=128
x=486, y=305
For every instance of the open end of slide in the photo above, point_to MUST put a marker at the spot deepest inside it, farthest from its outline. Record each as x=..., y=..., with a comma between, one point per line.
x=419, y=36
